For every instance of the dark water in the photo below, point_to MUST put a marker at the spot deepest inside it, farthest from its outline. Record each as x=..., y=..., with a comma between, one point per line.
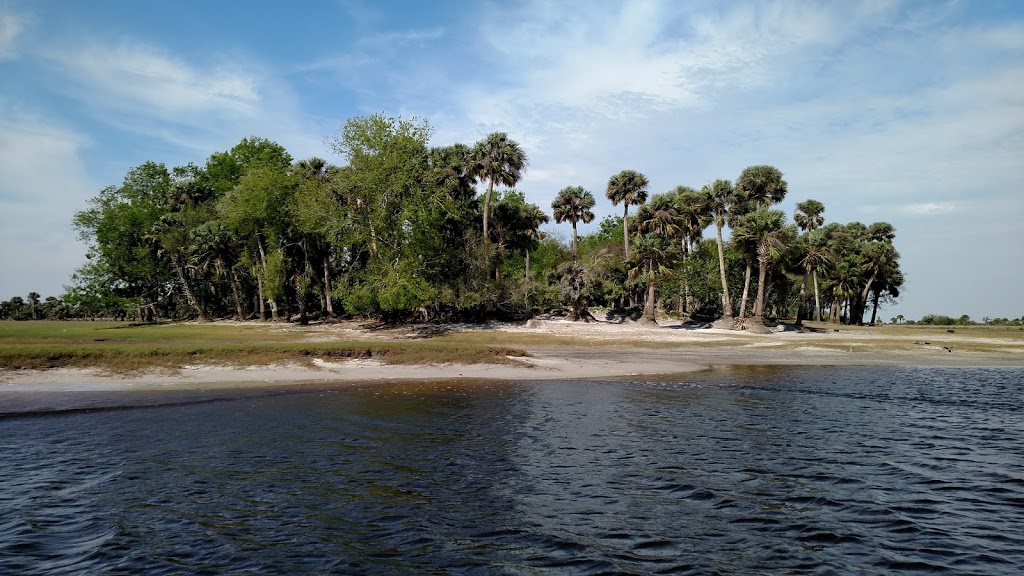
x=753, y=471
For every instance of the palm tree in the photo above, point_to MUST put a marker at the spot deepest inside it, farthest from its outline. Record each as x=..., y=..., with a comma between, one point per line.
x=656, y=222
x=768, y=231
x=808, y=218
x=882, y=258
x=816, y=253
x=719, y=198
x=497, y=159
x=762, y=185
x=33, y=301
x=573, y=204
x=693, y=219
x=808, y=215
x=534, y=217
x=628, y=187
x=758, y=187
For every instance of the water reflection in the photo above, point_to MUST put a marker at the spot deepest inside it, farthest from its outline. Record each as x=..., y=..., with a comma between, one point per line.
x=873, y=470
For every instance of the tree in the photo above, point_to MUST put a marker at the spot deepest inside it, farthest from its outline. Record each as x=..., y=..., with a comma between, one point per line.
x=656, y=222
x=693, y=219
x=808, y=215
x=628, y=187
x=497, y=159
x=761, y=185
x=808, y=218
x=33, y=301
x=719, y=197
x=573, y=205
x=815, y=253
x=765, y=229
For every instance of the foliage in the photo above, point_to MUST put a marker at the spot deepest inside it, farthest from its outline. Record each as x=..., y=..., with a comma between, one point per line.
x=398, y=232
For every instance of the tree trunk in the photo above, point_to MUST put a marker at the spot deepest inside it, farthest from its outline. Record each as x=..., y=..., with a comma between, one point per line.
x=272, y=301
x=803, y=299
x=574, y=242
x=862, y=303
x=625, y=227
x=236, y=293
x=746, y=292
x=817, y=299
x=328, y=305
x=874, y=310
x=649, y=305
x=762, y=273
x=189, y=296
x=726, y=301
x=487, y=209
x=261, y=300
x=529, y=278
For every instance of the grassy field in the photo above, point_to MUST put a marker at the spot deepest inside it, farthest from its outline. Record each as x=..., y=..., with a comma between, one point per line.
x=121, y=347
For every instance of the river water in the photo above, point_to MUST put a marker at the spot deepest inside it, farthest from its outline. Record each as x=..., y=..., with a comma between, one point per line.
x=733, y=471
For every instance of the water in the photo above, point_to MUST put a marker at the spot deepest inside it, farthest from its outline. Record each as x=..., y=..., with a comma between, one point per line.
x=738, y=471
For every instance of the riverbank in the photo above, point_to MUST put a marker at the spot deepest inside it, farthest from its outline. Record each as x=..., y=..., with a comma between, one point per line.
x=541, y=350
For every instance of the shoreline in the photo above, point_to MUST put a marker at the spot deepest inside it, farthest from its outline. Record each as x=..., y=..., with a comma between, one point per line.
x=598, y=350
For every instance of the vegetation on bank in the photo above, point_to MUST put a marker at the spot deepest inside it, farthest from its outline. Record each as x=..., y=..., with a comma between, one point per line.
x=399, y=232
x=123, y=347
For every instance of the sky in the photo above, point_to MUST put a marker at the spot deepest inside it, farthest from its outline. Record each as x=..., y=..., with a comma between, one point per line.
x=905, y=112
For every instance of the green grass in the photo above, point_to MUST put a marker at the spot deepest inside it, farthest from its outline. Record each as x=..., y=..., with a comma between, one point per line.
x=120, y=347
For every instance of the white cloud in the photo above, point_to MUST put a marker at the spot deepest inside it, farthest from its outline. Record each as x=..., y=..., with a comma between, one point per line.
x=930, y=208
x=44, y=182
x=139, y=77
x=10, y=28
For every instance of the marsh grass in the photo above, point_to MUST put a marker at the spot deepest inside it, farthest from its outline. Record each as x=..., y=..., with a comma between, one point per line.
x=124, y=348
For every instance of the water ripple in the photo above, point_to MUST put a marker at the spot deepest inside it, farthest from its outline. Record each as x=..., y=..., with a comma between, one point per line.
x=740, y=471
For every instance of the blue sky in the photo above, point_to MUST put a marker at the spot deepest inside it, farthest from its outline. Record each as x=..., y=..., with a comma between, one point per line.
x=908, y=112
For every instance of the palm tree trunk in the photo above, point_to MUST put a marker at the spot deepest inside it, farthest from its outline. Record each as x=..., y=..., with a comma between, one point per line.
x=574, y=242
x=746, y=291
x=762, y=273
x=803, y=299
x=487, y=208
x=726, y=301
x=526, y=284
x=649, y=305
x=817, y=299
x=236, y=292
x=189, y=296
x=625, y=227
x=862, y=302
x=328, y=305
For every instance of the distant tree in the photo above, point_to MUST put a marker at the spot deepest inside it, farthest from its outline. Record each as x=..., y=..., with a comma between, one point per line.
x=719, y=197
x=657, y=222
x=767, y=230
x=761, y=185
x=573, y=204
x=33, y=302
x=630, y=188
x=497, y=159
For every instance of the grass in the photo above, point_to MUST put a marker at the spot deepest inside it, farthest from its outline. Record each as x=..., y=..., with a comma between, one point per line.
x=124, y=348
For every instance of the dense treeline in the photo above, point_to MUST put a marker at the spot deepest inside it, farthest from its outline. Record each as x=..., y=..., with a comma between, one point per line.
x=399, y=232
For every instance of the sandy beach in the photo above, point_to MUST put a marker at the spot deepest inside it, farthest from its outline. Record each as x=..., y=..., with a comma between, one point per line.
x=595, y=350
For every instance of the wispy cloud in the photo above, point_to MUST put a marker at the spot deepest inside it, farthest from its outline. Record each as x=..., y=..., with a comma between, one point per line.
x=138, y=77
x=10, y=28
x=35, y=213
